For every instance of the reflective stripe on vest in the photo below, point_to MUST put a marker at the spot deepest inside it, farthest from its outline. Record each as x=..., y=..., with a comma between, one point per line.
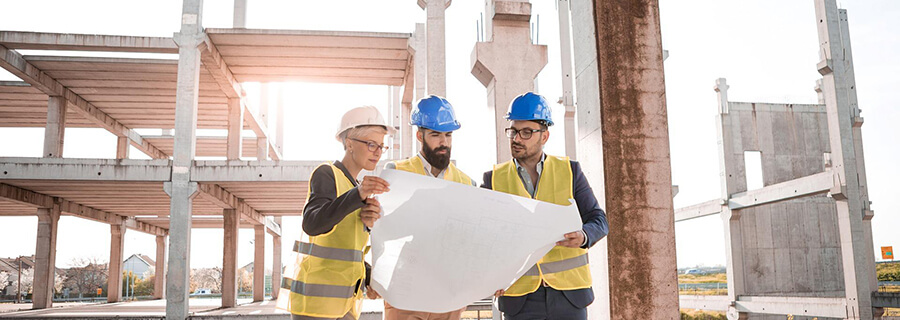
x=326, y=252
x=324, y=279
x=562, y=268
x=414, y=164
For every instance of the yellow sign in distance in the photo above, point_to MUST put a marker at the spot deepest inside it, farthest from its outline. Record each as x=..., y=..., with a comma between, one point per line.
x=887, y=253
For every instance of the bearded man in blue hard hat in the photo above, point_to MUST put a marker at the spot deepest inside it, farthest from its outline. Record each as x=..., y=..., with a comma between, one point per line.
x=436, y=122
x=559, y=285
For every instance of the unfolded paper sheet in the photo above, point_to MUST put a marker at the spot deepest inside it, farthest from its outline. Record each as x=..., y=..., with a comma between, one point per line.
x=441, y=245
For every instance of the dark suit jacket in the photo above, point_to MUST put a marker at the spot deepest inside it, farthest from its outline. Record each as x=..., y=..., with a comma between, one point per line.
x=594, y=225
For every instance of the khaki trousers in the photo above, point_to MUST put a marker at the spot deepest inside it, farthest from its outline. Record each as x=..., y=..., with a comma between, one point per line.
x=391, y=313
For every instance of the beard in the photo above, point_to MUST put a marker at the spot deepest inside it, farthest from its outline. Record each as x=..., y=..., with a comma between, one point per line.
x=440, y=161
x=525, y=153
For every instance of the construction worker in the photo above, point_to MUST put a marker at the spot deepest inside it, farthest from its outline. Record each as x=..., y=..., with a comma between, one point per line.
x=436, y=121
x=559, y=285
x=329, y=279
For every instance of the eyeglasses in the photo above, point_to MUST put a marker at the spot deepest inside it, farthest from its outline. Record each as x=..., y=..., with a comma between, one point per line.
x=525, y=134
x=372, y=145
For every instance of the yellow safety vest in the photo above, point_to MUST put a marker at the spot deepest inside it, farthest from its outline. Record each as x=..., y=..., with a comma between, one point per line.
x=562, y=268
x=415, y=165
x=328, y=267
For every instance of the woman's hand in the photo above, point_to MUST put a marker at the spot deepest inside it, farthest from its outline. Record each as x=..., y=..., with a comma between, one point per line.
x=371, y=294
x=370, y=212
x=372, y=185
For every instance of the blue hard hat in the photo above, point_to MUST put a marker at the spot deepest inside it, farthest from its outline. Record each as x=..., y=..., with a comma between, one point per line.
x=434, y=113
x=530, y=106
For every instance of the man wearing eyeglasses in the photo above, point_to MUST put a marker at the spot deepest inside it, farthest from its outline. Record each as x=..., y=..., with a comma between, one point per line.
x=559, y=285
x=436, y=120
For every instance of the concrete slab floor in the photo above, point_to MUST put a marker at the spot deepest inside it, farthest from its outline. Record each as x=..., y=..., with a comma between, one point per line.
x=156, y=309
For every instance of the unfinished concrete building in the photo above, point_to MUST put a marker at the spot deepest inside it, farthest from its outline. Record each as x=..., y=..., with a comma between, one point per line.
x=801, y=244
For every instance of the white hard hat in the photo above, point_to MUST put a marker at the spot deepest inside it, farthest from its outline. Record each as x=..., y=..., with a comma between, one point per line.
x=362, y=116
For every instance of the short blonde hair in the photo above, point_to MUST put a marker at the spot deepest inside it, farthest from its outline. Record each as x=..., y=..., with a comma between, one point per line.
x=361, y=131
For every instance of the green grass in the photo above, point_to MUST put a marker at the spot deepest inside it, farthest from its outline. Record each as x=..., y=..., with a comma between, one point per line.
x=889, y=271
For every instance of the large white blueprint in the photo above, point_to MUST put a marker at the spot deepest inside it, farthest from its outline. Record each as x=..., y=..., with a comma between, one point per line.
x=441, y=245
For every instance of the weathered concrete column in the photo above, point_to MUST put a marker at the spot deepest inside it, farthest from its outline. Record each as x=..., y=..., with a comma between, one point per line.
x=565, y=58
x=45, y=257
x=229, y=257
x=419, y=70
x=276, y=262
x=55, y=131
x=635, y=152
x=731, y=181
x=116, y=258
x=159, y=281
x=181, y=190
x=235, y=126
x=508, y=64
x=437, y=53
x=849, y=193
x=279, y=121
x=122, y=148
x=259, y=263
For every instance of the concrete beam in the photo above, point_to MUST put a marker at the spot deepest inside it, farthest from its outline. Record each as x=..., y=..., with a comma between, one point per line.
x=14, y=63
x=886, y=299
x=259, y=263
x=116, y=258
x=218, y=69
x=217, y=171
x=806, y=186
x=122, y=150
x=797, y=306
x=45, y=257
x=710, y=303
x=257, y=123
x=221, y=197
x=40, y=200
x=86, y=42
x=84, y=169
x=643, y=282
x=55, y=131
x=698, y=210
x=229, y=258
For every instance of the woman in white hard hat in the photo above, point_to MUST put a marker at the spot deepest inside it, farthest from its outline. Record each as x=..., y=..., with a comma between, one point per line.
x=329, y=278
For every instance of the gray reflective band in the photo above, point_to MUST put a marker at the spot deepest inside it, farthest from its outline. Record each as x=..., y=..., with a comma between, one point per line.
x=563, y=265
x=534, y=272
x=286, y=283
x=328, y=253
x=322, y=290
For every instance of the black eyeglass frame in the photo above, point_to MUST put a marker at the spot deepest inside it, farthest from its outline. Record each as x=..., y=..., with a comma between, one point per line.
x=526, y=133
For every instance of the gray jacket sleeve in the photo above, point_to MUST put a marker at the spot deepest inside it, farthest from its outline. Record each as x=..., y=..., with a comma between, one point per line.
x=325, y=209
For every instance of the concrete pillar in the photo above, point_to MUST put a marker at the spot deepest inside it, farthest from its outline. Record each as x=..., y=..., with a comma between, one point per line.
x=45, y=257
x=643, y=282
x=180, y=189
x=396, y=121
x=589, y=139
x=159, y=281
x=55, y=131
x=840, y=102
x=229, y=257
x=116, y=258
x=731, y=181
x=240, y=14
x=565, y=57
x=435, y=40
x=276, y=262
x=279, y=121
x=262, y=143
x=508, y=64
x=235, y=126
x=122, y=148
x=819, y=94
x=420, y=66
x=259, y=263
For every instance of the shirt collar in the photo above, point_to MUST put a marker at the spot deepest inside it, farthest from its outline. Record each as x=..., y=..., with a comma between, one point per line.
x=539, y=167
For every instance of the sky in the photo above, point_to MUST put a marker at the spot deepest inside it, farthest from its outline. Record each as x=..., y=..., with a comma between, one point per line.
x=766, y=49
